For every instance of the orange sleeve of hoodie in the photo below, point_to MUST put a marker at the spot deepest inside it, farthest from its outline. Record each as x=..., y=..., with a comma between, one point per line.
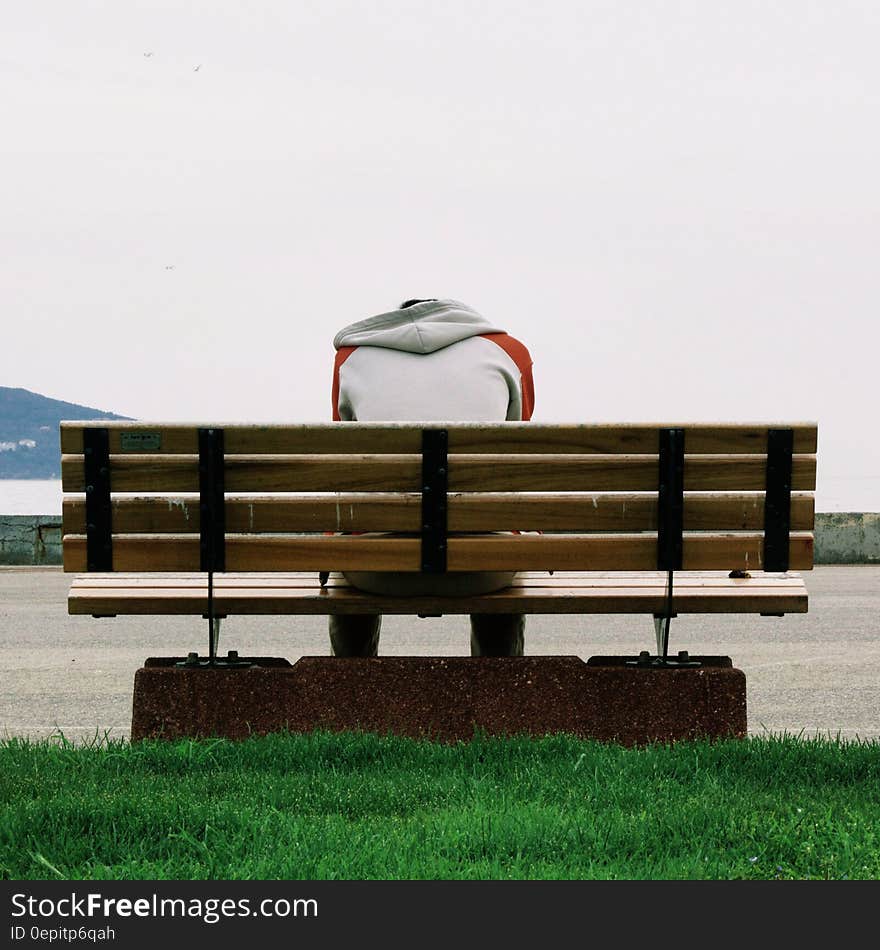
x=342, y=354
x=520, y=355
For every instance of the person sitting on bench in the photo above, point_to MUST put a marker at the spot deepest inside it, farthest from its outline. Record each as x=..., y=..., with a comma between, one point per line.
x=430, y=360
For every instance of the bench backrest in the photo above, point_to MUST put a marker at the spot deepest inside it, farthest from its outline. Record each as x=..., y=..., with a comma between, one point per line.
x=176, y=497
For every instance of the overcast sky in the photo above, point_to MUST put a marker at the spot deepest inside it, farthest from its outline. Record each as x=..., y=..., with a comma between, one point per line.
x=675, y=205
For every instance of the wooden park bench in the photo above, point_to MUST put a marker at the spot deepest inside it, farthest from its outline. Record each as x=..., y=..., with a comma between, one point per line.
x=217, y=520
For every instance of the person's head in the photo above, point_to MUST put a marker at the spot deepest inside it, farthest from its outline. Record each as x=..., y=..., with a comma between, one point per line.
x=414, y=301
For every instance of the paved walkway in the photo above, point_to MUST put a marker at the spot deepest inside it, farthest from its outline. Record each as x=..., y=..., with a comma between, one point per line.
x=817, y=673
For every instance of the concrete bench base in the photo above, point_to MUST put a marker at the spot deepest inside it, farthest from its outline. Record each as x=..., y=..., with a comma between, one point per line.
x=443, y=698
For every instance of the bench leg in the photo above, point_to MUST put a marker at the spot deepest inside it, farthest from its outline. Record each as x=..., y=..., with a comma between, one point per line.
x=661, y=632
x=215, y=634
x=661, y=660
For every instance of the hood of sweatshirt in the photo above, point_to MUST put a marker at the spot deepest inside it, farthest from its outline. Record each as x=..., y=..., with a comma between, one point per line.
x=421, y=328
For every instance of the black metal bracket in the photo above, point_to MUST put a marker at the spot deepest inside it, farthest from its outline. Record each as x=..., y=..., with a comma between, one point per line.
x=435, y=483
x=670, y=500
x=670, y=519
x=212, y=514
x=777, y=499
x=99, y=536
x=645, y=661
x=230, y=662
x=212, y=520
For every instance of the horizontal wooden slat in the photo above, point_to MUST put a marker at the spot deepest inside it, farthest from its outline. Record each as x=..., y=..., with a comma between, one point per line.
x=616, y=552
x=403, y=438
x=467, y=512
x=573, y=593
x=183, y=580
x=466, y=473
x=475, y=553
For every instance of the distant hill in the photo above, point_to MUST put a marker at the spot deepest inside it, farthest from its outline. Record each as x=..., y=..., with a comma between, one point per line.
x=29, y=446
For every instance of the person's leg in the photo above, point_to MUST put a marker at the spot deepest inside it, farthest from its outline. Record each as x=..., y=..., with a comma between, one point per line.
x=497, y=634
x=355, y=634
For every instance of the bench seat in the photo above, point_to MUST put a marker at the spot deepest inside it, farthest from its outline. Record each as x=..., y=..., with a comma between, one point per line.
x=617, y=592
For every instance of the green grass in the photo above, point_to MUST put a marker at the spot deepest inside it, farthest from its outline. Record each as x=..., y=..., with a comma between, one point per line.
x=326, y=806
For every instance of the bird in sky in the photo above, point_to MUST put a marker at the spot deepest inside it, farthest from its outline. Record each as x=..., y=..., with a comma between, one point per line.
x=197, y=68
x=148, y=55
x=169, y=267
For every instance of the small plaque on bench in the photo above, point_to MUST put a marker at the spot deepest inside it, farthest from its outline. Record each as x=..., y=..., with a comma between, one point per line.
x=140, y=441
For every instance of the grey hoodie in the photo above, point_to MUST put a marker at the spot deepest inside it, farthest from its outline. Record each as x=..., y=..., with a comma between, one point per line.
x=437, y=360
x=434, y=361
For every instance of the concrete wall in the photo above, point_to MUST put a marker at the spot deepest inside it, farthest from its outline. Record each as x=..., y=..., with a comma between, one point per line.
x=30, y=539
x=841, y=538
x=848, y=538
